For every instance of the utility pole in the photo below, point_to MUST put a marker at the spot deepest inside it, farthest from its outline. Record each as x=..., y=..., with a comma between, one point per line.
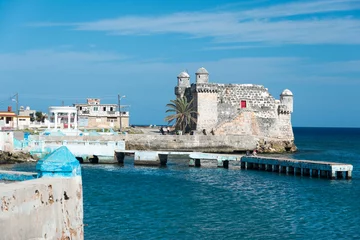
x=17, y=111
x=17, y=108
x=119, y=106
x=119, y=111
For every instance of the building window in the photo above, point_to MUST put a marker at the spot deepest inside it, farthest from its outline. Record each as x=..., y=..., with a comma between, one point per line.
x=96, y=109
x=80, y=108
x=112, y=119
x=243, y=104
x=104, y=109
x=111, y=109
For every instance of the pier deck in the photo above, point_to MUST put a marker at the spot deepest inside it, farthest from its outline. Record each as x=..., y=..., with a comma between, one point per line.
x=311, y=168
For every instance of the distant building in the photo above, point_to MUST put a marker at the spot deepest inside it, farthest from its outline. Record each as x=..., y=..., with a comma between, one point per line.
x=9, y=120
x=93, y=114
x=62, y=117
x=27, y=112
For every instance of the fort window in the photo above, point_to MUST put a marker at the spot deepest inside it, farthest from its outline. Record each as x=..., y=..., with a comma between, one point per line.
x=243, y=104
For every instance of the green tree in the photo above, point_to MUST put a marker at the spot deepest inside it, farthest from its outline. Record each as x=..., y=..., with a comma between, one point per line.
x=183, y=113
x=39, y=116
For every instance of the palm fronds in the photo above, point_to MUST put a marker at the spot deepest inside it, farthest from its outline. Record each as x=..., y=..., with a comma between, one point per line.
x=183, y=113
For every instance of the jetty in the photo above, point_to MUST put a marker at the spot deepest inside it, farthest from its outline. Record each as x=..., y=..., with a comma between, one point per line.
x=309, y=168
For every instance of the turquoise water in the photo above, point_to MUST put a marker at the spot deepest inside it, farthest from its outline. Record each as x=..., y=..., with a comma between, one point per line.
x=178, y=202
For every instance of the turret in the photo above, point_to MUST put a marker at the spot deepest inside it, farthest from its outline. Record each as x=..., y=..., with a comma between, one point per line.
x=287, y=100
x=183, y=83
x=202, y=75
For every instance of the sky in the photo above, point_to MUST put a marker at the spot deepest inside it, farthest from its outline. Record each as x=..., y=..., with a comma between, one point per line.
x=66, y=51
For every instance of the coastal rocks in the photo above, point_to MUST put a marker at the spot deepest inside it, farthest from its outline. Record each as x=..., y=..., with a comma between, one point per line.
x=15, y=157
x=275, y=146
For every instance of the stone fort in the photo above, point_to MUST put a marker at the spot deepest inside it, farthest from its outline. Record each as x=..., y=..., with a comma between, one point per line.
x=238, y=109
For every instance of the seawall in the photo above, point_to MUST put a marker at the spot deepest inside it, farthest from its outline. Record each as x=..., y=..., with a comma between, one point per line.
x=200, y=143
x=47, y=207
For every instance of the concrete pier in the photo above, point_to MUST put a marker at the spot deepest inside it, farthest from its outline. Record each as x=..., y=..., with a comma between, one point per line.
x=315, y=169
x=195, y=159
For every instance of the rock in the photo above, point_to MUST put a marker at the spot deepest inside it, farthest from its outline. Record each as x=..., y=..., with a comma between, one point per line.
x=275, y=146
x=15, y=157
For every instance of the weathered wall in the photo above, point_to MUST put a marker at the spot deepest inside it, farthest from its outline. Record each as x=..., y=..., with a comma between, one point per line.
x=261, y=116
x=257, y=100
x=207, y=106
x=44, y=208
x=49, y=207
x=200, y=143
x=6, y=141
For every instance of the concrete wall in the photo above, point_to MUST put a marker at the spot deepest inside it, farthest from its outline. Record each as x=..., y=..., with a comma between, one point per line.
x=49, y=207
x=44, y=208
x=201, y=143
x=6, y=141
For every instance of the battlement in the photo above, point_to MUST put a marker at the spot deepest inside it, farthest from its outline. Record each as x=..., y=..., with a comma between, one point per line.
x=204, y=88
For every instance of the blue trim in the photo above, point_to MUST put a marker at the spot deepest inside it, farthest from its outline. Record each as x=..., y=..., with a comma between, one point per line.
x=60, y=163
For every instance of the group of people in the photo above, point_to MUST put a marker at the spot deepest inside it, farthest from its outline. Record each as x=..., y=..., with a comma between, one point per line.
x=162, y=130
x=254, y=153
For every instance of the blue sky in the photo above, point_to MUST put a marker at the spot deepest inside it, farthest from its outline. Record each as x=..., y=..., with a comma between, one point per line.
x=54, y=51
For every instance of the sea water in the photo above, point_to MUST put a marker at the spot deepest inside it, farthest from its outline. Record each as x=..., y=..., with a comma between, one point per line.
x=178, y=202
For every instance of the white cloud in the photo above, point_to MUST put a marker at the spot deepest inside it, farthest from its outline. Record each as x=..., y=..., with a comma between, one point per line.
x=50, y=60
x=258, y=25
x=107, y=66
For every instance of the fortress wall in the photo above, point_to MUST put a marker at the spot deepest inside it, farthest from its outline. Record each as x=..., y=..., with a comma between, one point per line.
x=259, y=118
x=207, y=109
x=201, y=143
x=257, y=98
x=285, y=127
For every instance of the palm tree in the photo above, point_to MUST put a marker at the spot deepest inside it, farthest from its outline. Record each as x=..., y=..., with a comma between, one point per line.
x=183, y=113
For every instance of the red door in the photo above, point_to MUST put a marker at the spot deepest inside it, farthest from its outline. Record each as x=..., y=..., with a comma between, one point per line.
x=243, y=104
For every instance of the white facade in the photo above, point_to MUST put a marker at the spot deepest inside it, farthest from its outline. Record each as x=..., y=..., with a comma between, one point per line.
x=59, y=113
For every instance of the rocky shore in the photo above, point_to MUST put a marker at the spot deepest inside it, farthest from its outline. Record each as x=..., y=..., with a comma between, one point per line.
x=15, y=157
x=275, y=146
